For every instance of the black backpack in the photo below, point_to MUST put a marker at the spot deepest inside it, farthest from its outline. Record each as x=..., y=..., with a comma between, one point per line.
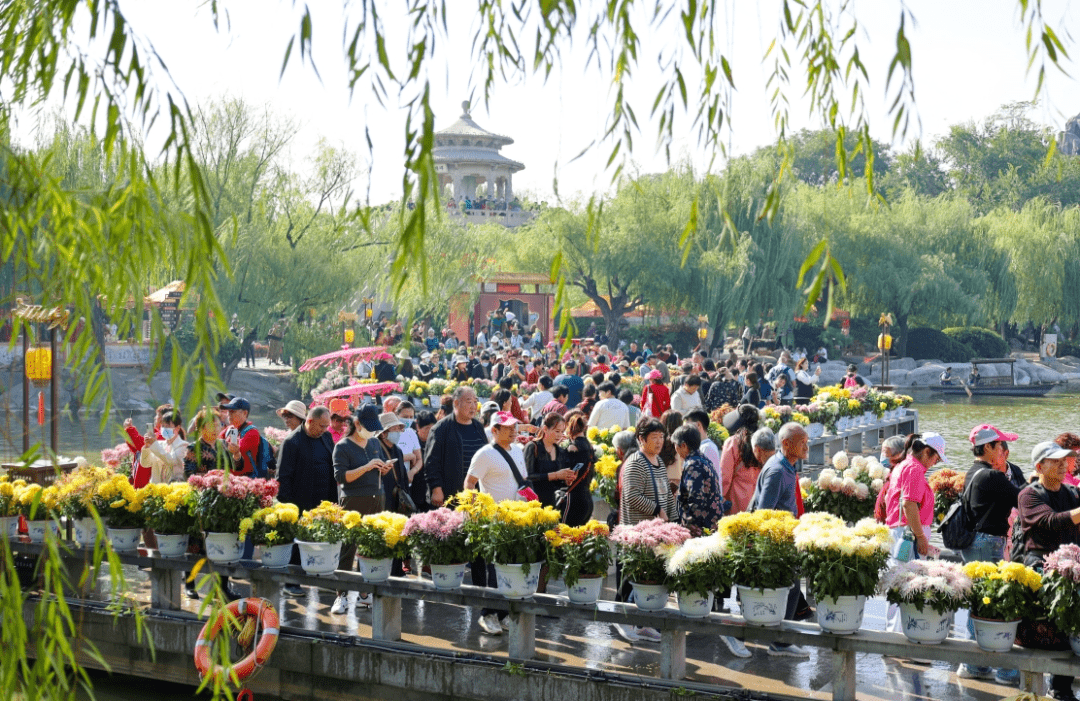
x=957, y=528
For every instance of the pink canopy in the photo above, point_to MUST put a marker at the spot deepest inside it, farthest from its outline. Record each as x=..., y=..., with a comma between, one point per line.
x=345, y=356
x=374, y=390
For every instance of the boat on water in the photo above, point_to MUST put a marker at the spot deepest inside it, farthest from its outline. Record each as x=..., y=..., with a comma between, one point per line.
x=997, y=385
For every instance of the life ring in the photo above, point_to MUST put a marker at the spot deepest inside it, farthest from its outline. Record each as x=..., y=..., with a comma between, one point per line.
x=1051, y=350
x=267, y=639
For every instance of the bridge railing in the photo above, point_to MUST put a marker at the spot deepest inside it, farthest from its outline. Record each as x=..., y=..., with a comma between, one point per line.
x=166, y=580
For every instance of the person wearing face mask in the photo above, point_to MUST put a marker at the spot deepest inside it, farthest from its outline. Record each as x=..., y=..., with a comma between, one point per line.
x=408, y=443
x=396, y=475
x=165, y=457
x=359, y=465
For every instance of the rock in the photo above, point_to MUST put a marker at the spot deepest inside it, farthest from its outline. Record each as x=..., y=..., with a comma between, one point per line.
x=902, y=364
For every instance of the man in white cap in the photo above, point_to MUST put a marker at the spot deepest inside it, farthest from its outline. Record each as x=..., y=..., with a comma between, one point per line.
x=500, y=472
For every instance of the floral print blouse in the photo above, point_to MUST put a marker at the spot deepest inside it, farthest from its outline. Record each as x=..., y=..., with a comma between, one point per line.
x=699, y=494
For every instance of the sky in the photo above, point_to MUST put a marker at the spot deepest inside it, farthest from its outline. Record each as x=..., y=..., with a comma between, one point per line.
x=969, y=59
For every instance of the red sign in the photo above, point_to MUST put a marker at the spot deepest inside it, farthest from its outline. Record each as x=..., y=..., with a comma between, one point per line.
x=507, y=287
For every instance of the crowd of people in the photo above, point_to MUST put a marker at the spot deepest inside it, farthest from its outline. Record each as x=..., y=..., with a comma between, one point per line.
x=402, y=457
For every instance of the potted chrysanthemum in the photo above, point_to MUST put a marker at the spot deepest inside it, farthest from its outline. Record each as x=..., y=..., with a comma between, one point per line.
x=319, y=535
x=644, y=549
x=1001, y=595
x=169, y=509
x=762, y=560
x=120, y=507
x=581, y=555
x=842, y=565
x=40, y=506
x=439, y=540
x=848, y=489
x=9, y=513
x=696, y=571
x=76, y=493
x=511, y=536
x=379, y=539
x=928, y=592
x=222, y=502
x=274, y=529
x=1060, y=592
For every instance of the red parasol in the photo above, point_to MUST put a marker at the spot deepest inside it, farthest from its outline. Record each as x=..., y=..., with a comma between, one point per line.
x=375, y=390
x=345, y=356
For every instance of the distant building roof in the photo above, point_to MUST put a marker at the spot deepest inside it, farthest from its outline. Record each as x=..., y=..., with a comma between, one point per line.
x=455, y=154
x=465, y=126
x=465, y=141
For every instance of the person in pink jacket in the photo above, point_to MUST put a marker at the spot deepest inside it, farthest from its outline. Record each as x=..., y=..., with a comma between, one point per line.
x=739, y=467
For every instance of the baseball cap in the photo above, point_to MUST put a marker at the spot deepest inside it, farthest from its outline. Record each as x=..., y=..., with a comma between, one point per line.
x=489, y=406
x=458, y=359
x=425, y=356
x=504, y=418
x=368, y=416
x=294, y=407
x=238, y=403
x=734, y=420
x=1049, y=450
x=935, y=441
x=222, y=396
x=981, y=435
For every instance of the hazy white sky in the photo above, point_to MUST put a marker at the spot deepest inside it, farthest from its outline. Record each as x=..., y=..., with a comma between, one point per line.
x=969, y=59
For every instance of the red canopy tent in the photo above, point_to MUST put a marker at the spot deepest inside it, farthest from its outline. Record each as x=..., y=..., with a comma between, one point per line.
x=346, y=356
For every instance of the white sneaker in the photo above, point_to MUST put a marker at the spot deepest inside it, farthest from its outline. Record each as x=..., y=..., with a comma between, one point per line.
x=787, y=650
x=340, y=604
x=504, y=622
x=626, y=633
x=490, y=624
x=736, y=646
x=651, y=635
x=364, y=601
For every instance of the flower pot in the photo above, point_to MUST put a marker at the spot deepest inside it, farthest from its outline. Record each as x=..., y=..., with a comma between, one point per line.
x=276, y=556
x=1074, y=642
x=434, y=400
x=223, y=548
x=694, y=604
x=842, y=615
x=38, y=528
x=586, y=590
x=868, y=418
x=763, y=607
x=447, y=577
x=319, y=558
x=994, y=635
x=375, y=569
x=927, y=627
x=650, y=597
x=815, y=430
x=514, y=583
x=85, y=531
x=124, y=540
x=843, y=424
x=172, y=544
x=9, y=527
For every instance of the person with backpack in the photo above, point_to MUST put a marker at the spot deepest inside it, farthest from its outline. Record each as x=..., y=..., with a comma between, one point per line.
x=988, y=498
x=250, y=453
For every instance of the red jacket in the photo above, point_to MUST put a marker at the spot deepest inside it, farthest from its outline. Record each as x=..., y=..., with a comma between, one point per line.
x=249, y=448
x=657, y=398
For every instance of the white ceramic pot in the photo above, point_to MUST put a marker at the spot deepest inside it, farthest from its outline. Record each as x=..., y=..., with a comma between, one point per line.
x=586, y=590
x=319, y=558
x=815, y=430
x=447, y=577
x=763, y=607
x=276, y=556
x=172, y=544
x=842, y=424
x=223, y=548
x=434, y=400
x=375, y=569
x=868, y=418
x=38, y=528
x=124, y=540
x=514, y=583
x=842, y=615
x=650, y=597
x=85, y=531
x=994, y=635
x=9, y=527
x=927, y=627
x=694, y=604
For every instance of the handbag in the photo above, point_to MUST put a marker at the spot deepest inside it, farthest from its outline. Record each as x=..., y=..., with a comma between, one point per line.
x=904, y=550
x=405, y=503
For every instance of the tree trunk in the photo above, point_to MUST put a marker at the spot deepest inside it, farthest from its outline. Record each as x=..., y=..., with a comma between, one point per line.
x=902, y=336
x=613, y=322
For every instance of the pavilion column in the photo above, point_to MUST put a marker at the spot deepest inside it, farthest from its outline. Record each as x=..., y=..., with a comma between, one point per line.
x=509, y=186
x=491, y=184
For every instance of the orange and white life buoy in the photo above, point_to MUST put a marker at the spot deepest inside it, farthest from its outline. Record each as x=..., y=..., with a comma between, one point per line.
x=260, y=609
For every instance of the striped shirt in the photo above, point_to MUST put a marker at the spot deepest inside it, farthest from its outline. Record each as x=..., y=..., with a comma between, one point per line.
x=637, y=498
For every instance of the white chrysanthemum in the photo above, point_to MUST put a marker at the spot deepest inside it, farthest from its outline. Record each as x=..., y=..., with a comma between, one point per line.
x=862, y=491
x=693, y=552
x=876, y=471
x=848, y=486
x=876, y=485
x=805, y=483
x=840, y=461
x=859, y=463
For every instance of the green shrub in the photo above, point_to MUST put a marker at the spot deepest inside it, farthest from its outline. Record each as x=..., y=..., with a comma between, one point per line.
x=681, y=335
x=984, y=342
x=931, y=344
x=1065, y=348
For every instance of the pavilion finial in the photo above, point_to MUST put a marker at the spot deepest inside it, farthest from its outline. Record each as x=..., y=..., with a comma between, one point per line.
x=465, y=107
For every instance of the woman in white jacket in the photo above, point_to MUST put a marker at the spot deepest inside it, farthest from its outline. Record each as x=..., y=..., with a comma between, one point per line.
x=165, y=458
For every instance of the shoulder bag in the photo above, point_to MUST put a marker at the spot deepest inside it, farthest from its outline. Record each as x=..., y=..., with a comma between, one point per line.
x=957, y=529
x=525, y=490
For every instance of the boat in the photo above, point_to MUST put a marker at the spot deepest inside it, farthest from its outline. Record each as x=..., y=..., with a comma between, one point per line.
x=997, y=386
